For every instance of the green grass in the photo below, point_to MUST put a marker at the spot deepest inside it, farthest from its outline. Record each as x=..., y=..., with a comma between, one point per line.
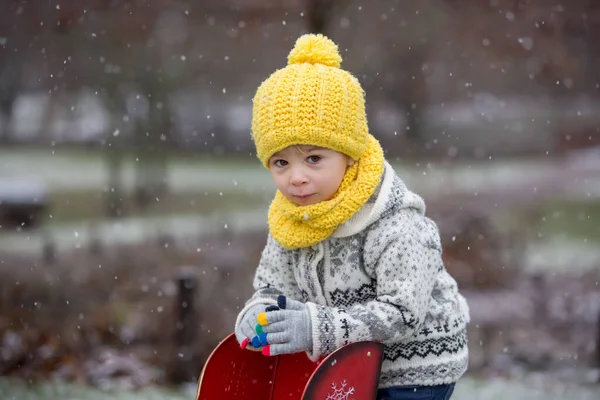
x=70, y=206
x=571, y=219
x=79, y=154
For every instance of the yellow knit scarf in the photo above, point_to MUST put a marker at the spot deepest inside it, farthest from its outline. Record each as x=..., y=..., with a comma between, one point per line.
x=296, y=226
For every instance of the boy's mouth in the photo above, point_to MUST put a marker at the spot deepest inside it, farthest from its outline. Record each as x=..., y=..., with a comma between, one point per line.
x=303, y=196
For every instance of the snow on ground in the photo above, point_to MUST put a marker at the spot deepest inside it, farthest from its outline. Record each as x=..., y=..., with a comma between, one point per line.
x=466, y=389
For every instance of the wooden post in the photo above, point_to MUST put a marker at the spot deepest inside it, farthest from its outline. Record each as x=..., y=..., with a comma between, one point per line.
x=541, y=298
x=49, y=250
x=95, y=246
x=185, y=366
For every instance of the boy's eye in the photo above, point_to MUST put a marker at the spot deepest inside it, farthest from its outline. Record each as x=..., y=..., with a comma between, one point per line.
x=280, y=163
x=313, y=159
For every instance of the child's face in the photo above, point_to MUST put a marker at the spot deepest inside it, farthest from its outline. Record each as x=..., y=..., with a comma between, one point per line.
x=307, y=175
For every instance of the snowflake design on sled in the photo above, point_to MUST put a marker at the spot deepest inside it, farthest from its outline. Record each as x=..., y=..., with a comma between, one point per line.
x=341, y=393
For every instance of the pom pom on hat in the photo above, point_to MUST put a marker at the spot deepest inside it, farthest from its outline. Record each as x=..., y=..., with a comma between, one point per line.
x=315, y=49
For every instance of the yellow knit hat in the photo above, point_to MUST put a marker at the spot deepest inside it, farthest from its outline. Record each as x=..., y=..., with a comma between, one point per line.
x=311, y=101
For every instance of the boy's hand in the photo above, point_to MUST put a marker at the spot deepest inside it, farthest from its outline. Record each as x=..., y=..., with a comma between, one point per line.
x=246, y=330
x=287, y=330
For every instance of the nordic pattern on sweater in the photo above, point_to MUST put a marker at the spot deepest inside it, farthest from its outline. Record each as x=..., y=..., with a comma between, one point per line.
x=379, y=277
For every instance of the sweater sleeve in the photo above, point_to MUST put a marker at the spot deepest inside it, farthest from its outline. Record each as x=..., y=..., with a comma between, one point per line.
x=405, y=267
x=274, y=276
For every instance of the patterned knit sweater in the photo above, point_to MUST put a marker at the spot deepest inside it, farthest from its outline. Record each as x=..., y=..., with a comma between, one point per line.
x=379, y=277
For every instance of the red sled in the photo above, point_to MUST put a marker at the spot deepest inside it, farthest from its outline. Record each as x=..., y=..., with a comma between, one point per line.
x=349, y=373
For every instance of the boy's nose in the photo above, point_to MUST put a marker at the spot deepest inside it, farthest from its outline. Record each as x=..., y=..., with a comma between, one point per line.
x=297, y=178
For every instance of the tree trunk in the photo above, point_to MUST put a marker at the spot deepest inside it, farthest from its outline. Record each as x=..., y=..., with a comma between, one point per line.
x=319, y=13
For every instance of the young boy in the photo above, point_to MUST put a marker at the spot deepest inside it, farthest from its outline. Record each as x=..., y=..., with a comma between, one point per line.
x=349, y=250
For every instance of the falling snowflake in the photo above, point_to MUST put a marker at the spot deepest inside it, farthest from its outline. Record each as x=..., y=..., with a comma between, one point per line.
x=341, y=393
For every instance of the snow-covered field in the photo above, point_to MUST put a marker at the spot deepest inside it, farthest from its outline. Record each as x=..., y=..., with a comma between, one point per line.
x=466, y=389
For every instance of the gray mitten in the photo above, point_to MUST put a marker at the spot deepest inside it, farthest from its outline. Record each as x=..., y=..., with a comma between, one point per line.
x=245, y=328
x=287, y=330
